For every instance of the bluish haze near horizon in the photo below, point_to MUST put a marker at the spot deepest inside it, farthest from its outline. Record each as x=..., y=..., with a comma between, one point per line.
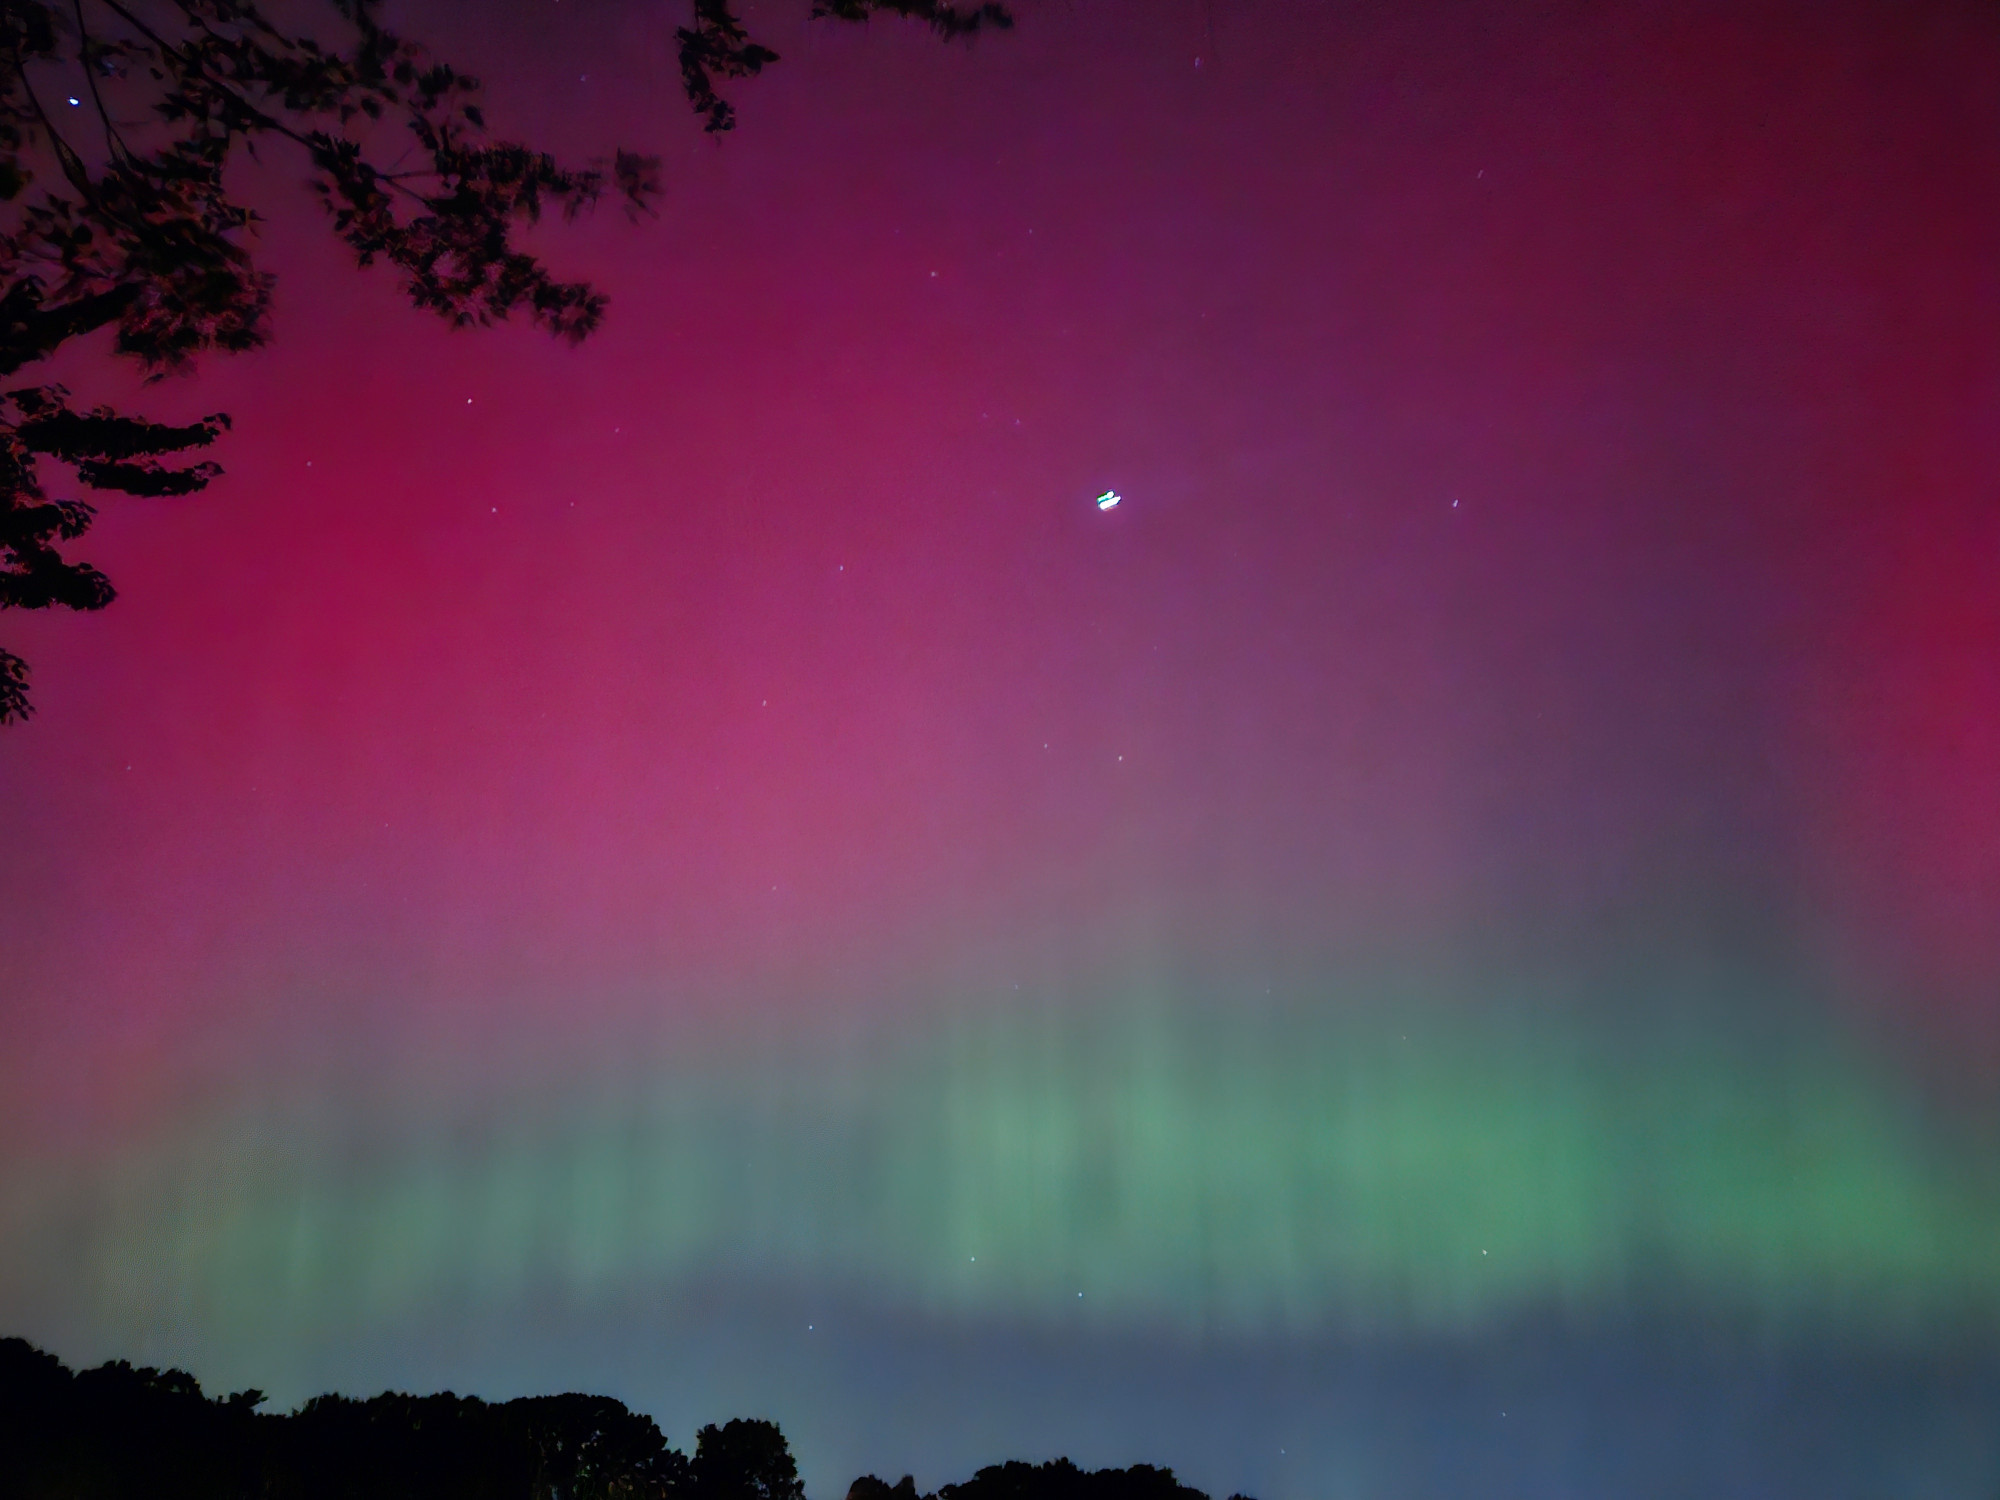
x=1448, y=945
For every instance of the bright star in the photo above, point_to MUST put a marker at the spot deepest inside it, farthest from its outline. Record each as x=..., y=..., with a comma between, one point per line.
x=1108, y=499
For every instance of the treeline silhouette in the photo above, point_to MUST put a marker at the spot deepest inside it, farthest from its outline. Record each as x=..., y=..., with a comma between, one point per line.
x=1060, y=1480
x=115, y=1432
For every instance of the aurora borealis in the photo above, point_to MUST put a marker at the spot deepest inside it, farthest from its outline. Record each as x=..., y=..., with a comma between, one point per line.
x=1448, y=944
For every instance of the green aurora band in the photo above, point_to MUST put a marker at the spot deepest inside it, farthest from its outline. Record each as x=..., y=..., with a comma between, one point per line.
x=1138, y=1162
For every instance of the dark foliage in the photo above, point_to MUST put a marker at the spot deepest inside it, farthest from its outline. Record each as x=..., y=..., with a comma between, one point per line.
x=116, y=1432
x=716, y=45
x=1062, y=1480
x=744, y=1460
x=948, y=21
x=119, y=217
x=1058, y=1480
x=106, y=452
x=868, y=1487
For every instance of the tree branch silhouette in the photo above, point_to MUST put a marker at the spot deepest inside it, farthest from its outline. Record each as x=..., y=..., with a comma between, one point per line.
x=148, y=242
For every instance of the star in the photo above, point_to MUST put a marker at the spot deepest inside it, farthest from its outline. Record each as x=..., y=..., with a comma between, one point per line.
x=1108, y=499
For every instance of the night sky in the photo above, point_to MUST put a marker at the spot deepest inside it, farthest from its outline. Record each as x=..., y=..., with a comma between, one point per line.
x=1447, y=945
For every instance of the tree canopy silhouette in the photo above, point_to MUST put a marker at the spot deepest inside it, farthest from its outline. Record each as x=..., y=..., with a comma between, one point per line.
x=744, y=1460
x=116, y=1433
x=118, y=122
x=1057, y=1480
